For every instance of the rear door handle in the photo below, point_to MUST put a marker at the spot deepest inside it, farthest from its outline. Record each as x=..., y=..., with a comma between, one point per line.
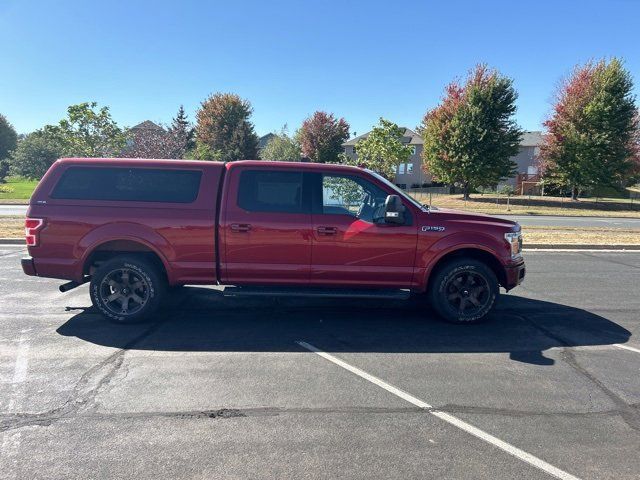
x=240, y=227
x=327, y=230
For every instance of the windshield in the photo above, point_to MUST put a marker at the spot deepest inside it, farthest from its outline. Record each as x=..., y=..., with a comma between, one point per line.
x=396, y=189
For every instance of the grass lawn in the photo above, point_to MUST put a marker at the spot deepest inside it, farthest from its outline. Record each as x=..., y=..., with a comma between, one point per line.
x=524, y=205
x=11, y=227
x=580, y=236
x=16, y=190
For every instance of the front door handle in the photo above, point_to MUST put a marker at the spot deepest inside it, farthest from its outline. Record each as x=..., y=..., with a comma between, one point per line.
x=327, y=230
x=240, y=227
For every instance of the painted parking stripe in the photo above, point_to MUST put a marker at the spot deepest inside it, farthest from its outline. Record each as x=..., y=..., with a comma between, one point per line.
x=455, y=421
x=627, y=347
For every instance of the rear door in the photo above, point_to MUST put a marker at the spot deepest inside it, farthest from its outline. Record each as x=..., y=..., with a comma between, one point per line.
x=349, y=248
x=266, y=226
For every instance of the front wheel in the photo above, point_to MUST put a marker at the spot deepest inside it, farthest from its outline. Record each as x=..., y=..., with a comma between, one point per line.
x=127, y=289
x=463, y=291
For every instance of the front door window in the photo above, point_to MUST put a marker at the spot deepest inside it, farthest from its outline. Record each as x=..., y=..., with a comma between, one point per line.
x=346, y=195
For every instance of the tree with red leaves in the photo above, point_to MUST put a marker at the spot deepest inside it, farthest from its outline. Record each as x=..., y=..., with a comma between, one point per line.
x=321, y=137
x=470, y=137
x=592, y=133
x=224, y=131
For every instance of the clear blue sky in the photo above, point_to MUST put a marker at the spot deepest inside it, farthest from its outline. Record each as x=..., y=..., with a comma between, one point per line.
x=360, y=60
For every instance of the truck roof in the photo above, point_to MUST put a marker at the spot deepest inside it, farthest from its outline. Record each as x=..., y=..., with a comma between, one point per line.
x=137, y=162
x=148, y=162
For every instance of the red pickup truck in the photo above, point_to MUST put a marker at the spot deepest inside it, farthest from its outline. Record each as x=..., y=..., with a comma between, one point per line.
x=134, y=228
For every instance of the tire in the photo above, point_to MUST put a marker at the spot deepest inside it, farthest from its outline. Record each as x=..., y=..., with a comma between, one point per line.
x=463, y=291
x=127, y=289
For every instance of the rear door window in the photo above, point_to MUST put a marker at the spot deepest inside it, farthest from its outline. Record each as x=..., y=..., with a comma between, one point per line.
x=128, y=184
x=271, y=191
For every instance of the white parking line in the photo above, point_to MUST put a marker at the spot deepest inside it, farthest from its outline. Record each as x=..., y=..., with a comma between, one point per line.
x=455, y=421
x=22, y=360
x=627, y=347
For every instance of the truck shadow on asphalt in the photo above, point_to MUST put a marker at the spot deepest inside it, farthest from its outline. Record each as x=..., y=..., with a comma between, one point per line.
x=203, y=320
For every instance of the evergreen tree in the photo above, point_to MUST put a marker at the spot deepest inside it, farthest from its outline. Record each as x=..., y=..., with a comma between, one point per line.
x=181, y=127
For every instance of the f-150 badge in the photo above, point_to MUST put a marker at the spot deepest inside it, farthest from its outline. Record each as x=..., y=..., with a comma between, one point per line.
x=431, y=228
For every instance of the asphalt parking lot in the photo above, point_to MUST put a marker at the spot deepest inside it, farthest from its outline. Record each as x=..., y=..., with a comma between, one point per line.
x=222, y=388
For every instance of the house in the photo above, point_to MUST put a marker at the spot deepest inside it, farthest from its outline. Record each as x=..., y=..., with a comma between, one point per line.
x=526, y=176
x=409, y=174
x=264, y=140
x=137, y=131
x=146, y=125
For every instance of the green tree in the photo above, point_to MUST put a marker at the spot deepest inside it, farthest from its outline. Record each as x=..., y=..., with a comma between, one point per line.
x=223, y=129
x=470, y=137
x=88, y=131
x=321, y=137
x=282, y=147
x=8, y=143
x=592, y=133
x=382, y=150
x=35, y=154
x=5, y=167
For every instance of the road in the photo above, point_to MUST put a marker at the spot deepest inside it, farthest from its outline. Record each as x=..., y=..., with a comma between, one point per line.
x=549, y=220
x=227, y=388
x=13, y=210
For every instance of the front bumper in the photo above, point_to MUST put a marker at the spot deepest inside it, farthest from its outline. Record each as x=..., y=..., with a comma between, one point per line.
x=514, y=275
x=28, y=266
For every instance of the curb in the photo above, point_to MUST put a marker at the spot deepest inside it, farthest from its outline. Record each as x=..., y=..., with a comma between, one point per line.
x=12, y=241
x=566, y=246
x=534, y=215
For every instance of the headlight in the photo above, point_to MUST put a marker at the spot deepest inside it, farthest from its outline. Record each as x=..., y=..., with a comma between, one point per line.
x=514, y=239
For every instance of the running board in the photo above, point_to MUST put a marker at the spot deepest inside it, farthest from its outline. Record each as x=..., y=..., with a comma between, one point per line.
x=388, y=294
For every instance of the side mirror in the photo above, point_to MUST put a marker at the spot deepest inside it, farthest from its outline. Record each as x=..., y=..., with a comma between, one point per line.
x=394, y=210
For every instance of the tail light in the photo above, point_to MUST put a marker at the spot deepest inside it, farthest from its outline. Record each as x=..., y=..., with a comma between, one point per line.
x=32, y=227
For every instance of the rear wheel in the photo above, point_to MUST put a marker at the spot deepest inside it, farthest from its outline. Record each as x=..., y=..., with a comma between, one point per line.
x=127, y=289
x=463, y=291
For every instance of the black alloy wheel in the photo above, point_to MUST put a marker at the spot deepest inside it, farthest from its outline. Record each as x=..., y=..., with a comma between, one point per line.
x=127, y=289
x=463, y=290
x=467, y=292
x=124, y=292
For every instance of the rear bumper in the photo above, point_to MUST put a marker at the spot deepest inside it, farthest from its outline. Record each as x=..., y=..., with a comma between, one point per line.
x=514, y=275
x=28, y=266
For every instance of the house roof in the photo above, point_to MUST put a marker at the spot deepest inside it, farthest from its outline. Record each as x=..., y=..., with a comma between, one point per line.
x=147, y=125
x=531, y=139
x=262, y=142
x=409, y=137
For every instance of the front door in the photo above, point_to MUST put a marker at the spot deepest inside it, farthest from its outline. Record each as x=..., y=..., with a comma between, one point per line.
x=266, y=227
x=349, y=247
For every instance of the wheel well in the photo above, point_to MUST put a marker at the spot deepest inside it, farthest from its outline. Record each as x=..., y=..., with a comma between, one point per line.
x=114, y=248
x=485, y=257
